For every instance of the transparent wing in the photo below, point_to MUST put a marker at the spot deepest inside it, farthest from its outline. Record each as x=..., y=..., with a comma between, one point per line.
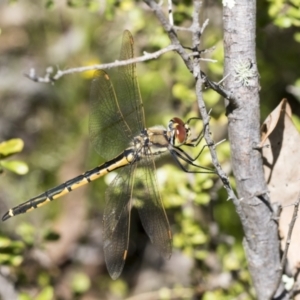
x=116, y=220
x=150, y=207
x=116, y=117
x=109, y=132
x=127, y=88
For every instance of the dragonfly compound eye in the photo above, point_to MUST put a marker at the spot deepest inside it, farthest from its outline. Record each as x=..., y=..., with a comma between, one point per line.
x=179, y=130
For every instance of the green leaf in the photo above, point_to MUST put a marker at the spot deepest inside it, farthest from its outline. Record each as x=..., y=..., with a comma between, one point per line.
x=11, y=147
x=16, y=166
x=49, y=4
x=181, y=91
x=297, y=37
x=51, y=236
x=24, y=296
x=46, y=294
x=10, y=246
x=4, y=242
x=118, y=288
x=17, y=260
x=12, y=260
x=199, y=239
x=201, y=254
x=202, y=198
x=26, y=231
x=80, y=283
x=44, y=279
x=284, y=22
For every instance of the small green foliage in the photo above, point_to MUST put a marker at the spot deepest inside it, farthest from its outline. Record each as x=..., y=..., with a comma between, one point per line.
x=202, y=198
x=80, y=283
x=27, y=232
x=211, y=98
x=49, y=4
x=297, y=37
x=296, y=121
x=285, y=14
x=24, y=296
x=118, y=288
x=46, y=294
x=11, y=251
x=43, y=279
x=51, y=236
x=92, y=5
x=9, y=148
x=181, y=91
x=17, y=166
x=76, y=3
x=182, y=12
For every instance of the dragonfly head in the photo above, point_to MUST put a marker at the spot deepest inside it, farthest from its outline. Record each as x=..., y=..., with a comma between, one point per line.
x=178, y=131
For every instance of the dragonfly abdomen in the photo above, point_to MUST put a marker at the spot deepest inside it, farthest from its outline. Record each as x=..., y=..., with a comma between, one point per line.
x=123, y=159
x=46, y=197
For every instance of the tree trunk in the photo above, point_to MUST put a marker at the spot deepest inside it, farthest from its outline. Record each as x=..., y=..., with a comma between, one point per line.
x=261, y=240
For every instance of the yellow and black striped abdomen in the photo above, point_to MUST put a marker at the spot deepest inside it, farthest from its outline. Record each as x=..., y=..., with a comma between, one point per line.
x=123, y=159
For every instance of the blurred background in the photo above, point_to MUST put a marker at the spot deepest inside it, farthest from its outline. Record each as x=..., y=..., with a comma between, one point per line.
x=56, y=252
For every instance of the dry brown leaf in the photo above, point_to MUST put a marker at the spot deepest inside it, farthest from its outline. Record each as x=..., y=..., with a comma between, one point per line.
x=282, y=172
x=271, y=121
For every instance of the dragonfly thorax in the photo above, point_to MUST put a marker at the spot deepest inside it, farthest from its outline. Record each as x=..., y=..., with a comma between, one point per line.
x=178, y=132
x=151, y=141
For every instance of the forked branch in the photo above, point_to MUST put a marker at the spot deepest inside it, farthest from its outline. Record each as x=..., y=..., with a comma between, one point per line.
x=193, y=64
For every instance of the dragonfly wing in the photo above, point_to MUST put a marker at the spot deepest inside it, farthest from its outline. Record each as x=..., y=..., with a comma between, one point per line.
x=116, y=220
x=116, y=113
x=109, y=133
x=127, y=89
x=150, y=207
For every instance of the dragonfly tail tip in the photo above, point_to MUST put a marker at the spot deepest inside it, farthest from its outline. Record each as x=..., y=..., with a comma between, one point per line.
x=6, y=216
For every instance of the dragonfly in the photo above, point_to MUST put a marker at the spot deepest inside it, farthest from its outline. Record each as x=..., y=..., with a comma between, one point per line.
x=118, y=133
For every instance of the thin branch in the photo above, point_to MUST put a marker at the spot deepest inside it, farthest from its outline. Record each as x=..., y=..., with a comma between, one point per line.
x=220, y=90
x=203, y=111
x=179, y=28
x=170, y=11
x=287, y=244
x=291, y=227
x=204, y=25
x=59, y=73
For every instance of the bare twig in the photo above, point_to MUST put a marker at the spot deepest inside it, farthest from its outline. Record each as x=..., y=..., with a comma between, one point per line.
x=179, y=28
x=204, y=25
x=198, y=74
x=170, y=11
x=59, y=73
x=287, y=244
x=291, y=227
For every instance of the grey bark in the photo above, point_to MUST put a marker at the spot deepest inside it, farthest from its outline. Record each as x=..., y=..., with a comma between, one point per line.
x=261, y=242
